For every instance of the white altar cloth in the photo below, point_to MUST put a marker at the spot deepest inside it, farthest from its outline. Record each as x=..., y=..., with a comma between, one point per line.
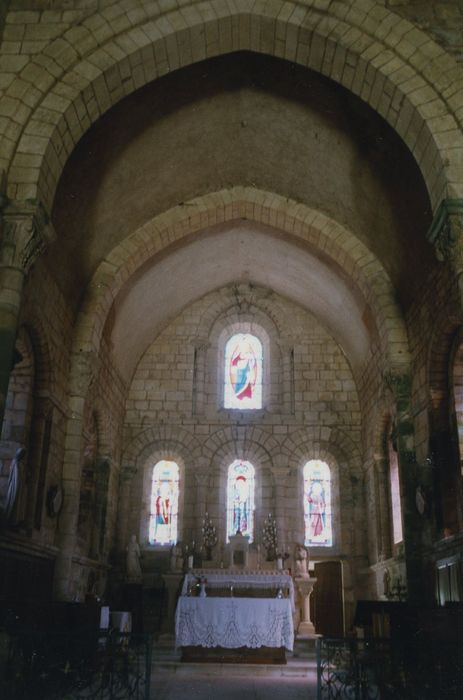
x=234, y=622
x=224, y=577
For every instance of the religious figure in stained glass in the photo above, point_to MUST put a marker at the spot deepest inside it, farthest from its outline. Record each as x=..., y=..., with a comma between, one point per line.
x=164, y=503
x=317, y=504
x=240, y=499
x=243, y=372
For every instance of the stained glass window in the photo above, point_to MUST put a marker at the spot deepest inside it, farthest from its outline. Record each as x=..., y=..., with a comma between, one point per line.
x=243, y=372
x=164, y=503
x=394, y=484
x=317, y=504
x=240, y=499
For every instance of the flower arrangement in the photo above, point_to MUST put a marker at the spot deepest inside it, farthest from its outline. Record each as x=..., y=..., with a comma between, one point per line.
x=209, y=537
x=269, y=537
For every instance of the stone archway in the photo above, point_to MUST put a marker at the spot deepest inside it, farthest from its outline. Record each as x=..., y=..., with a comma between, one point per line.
x=377, y=55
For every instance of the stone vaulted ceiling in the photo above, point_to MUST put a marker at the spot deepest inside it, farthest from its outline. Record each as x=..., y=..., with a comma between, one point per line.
x=240, y=120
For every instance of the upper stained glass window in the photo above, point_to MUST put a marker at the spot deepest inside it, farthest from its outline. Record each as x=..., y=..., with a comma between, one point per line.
x=243, y=372
x=164, y=503
x=240, y=499
x=317, y=504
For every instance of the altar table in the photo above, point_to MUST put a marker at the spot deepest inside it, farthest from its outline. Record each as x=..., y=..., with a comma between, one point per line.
x=271, y=580
x=232, y=623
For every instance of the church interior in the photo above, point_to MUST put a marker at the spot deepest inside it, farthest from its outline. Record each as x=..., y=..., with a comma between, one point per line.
x=231, y=306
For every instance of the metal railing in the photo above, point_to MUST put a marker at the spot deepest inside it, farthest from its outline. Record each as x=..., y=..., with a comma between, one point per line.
x=89, y=666
x=384, y=669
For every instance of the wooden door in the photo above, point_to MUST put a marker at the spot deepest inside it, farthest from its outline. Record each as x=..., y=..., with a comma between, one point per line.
x=328, y=614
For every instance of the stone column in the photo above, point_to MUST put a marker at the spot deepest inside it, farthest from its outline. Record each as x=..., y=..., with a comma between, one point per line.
x=201, y=347
x=304, y=587
x=125, y=482
x=280, y=475
x=382, y=509
x=416, y=529
x=446, y=235
x=25, y=232
x=85, y=367
x=286, y=400
x=202, y=484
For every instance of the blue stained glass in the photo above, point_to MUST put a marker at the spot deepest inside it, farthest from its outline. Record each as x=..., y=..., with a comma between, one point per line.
x=164, y=503
x=243, y=372
x=240, y=499
x=317, y=504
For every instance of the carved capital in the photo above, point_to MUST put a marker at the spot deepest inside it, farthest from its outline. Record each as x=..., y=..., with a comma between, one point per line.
x=281, y=475
x=85, y=370
x=446, y=231
x=200, y=344
x=25, y=232
x=399, y=384
x=127, y=473
x=202, y=480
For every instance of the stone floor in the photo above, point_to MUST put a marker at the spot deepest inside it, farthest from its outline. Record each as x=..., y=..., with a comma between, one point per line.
x=173, y=680
x=228, y=687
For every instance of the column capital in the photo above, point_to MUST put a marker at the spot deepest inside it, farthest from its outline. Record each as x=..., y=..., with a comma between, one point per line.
x=202, y=479
x=25, y=232
x=288, y=342
x=445, y=232
x=127, y=472
x=281, y=474
x=200, y=343
x=86, y=367
x=398, y=383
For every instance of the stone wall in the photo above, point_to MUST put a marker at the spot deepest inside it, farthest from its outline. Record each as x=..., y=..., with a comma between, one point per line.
x=322, y=420
x=443, y=20
x=62, y=66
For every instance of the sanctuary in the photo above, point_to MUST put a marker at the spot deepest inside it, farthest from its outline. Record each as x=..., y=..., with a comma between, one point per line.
x=231, y=319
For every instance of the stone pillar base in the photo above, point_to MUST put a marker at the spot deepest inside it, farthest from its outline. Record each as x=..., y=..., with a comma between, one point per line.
x=306, y=629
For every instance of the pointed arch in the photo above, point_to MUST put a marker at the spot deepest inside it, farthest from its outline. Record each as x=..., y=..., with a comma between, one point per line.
x=70, y=93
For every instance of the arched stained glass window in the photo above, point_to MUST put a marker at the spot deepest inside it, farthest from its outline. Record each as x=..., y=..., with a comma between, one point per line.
x=394, y=485
x=317, y=504
x=164, y=503
x=240, y=499
x=243, y=372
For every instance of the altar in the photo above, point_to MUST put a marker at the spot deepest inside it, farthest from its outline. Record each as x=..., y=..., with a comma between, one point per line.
x=237, y=616
x=241, y=583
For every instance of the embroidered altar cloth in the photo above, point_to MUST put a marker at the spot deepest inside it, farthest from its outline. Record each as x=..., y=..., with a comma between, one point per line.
x=273, y=580
x=234, y=622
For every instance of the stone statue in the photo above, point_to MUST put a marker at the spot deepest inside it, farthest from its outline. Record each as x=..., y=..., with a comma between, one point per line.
x=14, y=483
x=176, y=557
x=386, y=583
x=300, y=560
x=134, y=574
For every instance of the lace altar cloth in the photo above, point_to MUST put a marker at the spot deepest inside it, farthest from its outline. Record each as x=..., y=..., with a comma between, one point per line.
x=272, y=580
x=234, y=622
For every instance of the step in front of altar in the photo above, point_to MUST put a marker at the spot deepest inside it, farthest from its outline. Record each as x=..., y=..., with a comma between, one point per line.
x=300, y=664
